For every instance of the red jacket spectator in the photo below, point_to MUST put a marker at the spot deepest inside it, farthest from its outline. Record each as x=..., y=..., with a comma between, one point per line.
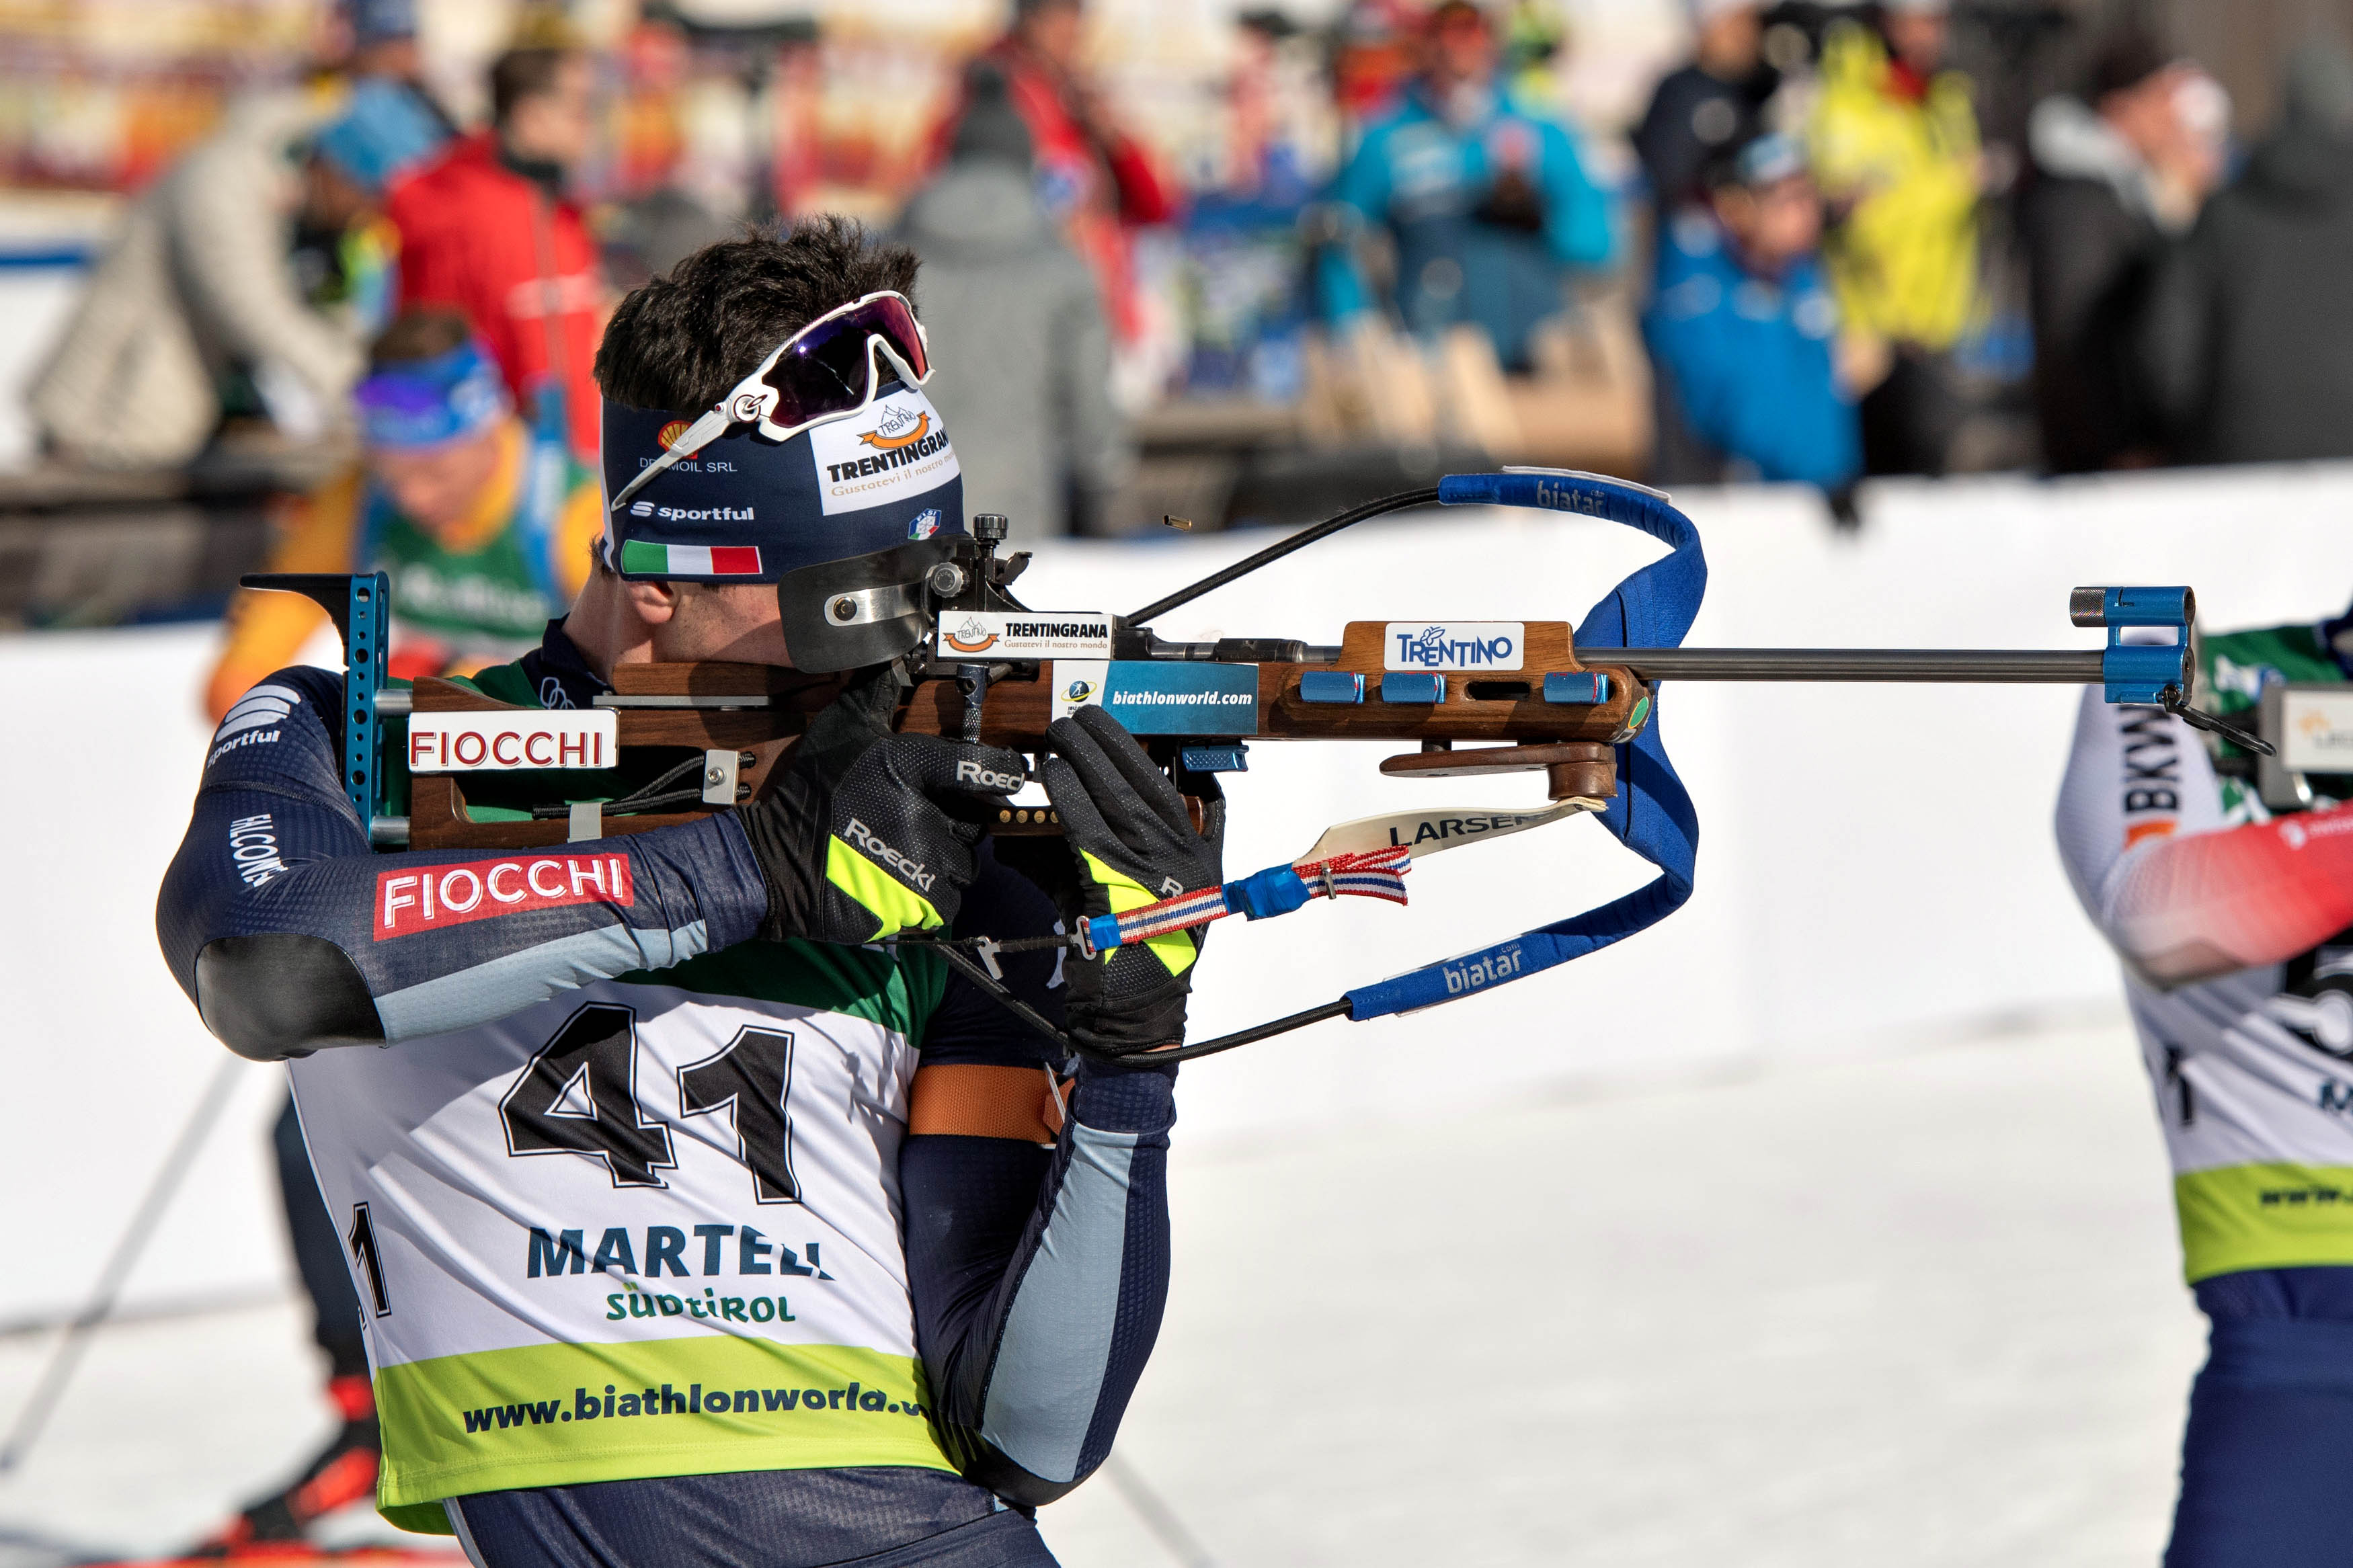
x=479, y=238
x=1097, y=182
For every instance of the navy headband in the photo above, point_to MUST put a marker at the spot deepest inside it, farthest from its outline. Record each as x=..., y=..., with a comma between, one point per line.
x=749, y=510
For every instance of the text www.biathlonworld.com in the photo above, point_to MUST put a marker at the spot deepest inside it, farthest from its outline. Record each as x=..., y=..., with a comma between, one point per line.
x=616, y=1405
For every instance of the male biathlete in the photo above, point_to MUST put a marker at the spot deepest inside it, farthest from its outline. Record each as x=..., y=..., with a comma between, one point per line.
x=2236, y=931
x=689, y=1224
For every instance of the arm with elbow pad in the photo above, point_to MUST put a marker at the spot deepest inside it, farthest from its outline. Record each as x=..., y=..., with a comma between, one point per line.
x=1039, y=1274
x=290, y=934
x=2178, y=894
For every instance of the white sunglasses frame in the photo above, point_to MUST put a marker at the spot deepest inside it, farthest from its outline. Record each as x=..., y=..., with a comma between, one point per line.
x=753, y=400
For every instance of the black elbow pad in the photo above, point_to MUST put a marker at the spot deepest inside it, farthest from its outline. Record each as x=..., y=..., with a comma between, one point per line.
x=283, y=994
x=983, y=1463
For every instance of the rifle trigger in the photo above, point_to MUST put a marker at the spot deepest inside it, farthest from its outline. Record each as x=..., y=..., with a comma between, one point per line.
x=972, y=679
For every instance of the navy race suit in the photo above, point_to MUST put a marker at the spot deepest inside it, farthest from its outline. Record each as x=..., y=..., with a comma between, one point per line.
x=631, y=1201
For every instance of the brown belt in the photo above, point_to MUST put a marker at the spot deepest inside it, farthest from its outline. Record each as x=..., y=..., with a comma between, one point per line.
x=969, y=1101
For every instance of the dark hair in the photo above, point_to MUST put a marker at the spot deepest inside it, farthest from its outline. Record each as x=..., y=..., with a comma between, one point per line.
x=521, y=74
x=682, y=341
x=416, y=335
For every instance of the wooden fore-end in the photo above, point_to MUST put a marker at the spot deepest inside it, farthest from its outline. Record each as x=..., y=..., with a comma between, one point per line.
x=750, y=708
x=1480, y=705
x=1573, y=769
x=1500, y=705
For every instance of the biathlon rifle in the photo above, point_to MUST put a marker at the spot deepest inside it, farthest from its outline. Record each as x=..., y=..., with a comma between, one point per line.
x=1577, y=703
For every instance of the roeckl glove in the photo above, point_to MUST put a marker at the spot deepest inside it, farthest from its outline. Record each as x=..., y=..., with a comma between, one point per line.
x=1132, y=843
x=869, y=833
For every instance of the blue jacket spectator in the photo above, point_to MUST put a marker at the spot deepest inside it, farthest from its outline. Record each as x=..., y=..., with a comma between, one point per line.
x=1486, y=200
x=1742, y=333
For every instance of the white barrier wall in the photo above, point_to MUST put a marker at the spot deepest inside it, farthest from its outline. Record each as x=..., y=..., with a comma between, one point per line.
x=1875, y=863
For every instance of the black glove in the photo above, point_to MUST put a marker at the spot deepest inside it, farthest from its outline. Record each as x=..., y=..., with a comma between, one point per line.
x=869, y=833
x=1131, y=843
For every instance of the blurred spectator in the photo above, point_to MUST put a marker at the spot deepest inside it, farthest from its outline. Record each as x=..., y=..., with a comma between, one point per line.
x=1894, y=145
x=2247, y=345
x=197, y=308
x=487, y=230
x=1742, y=332
x=383, y=48
x=1714, y=103
x=2116, y=181
x=1097, y=182
x=483, y=540
x=1267, y=155
x=658, y=221
x=1486, y=201
x=1374, y=47
x=1016, y=331
x=346, y=252
x=643, y=237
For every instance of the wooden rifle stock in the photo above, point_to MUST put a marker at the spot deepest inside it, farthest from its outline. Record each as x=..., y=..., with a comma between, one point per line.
x=754, y=714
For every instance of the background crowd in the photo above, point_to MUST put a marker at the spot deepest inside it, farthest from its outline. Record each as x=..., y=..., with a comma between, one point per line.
x=1234, y=266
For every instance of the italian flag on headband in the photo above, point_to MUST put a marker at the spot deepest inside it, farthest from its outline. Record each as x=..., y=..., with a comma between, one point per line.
x=690, y=560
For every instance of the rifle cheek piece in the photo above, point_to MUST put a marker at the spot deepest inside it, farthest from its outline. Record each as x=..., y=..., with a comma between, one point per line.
x=283, y=994
x=866, y=610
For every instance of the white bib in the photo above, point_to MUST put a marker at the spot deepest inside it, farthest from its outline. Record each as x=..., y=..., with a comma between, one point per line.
x=643, y=1228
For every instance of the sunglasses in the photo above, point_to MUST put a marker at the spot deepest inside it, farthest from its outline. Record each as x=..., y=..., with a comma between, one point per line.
x=825, y=371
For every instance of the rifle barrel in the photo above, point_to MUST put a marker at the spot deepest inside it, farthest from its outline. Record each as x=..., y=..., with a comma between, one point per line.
x=2020, y=665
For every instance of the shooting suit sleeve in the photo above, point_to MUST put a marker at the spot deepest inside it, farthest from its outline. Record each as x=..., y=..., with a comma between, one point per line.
x=289, y=934
x=2182, y=895
x=1039, y=1271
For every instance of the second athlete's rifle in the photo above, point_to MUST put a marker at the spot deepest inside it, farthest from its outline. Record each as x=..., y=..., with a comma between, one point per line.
x=1472, y=697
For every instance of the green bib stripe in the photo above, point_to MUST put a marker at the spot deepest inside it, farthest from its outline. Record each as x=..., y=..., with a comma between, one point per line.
x=2264, y=1216
x=568, y=1415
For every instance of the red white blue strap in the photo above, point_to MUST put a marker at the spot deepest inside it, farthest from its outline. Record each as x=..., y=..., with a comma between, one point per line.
x=1369, y=874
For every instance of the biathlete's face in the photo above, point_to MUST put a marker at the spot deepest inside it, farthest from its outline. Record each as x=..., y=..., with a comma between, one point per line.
x=439, y=488
x=737, y=622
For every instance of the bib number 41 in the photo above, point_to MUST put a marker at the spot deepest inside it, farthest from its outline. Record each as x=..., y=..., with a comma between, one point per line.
x=580, y=1094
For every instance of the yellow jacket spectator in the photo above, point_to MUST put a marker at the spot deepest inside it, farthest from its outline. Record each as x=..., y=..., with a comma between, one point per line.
x=484, y=529
x=1894, y=141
